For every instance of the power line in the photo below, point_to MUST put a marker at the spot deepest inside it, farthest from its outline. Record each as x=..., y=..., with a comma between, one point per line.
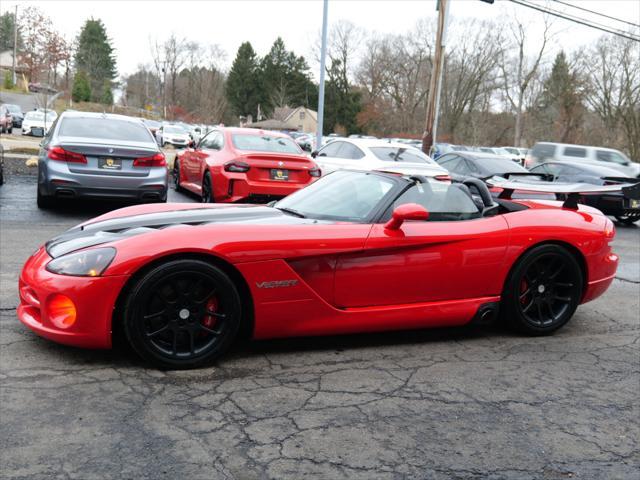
x=581, y=21
x=598, y=13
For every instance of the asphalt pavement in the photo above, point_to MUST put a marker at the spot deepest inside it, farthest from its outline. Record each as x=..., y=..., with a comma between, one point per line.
x=465, y=403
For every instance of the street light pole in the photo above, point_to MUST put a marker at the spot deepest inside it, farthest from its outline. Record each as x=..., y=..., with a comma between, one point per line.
x=322, y=70
x=15, y=45
x=431, y=121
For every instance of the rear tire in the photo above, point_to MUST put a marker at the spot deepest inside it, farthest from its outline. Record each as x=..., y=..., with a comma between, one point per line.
x=176, y=175
x=207, y=189
x=542, y=291
x=44, y=202
x=182, y=314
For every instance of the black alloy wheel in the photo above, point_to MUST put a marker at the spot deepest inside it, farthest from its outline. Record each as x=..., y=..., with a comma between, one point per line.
x=543, y=290
x=207, y=189
x=176, y=175
x=182, y=314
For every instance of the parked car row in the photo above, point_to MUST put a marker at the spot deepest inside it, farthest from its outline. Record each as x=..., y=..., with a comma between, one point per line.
x=463, y=165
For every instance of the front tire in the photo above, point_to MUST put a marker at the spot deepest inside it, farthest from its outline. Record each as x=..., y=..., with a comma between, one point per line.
x=542, y=291
x=182, y=314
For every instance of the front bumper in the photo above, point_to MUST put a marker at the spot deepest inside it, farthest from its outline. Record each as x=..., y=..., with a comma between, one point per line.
x=93, y=297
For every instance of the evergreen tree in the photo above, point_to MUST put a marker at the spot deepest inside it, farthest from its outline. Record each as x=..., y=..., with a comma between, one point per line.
x=95, y=57
x=342, y=102
x=285, y=79
x=243, y=86
x=6, y=32
x=107, y=95
x=561, y=101
x=81, y=91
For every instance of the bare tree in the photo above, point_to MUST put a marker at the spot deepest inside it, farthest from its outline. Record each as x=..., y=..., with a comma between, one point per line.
x=613, y=75
x=470, y=73
x=519, y=70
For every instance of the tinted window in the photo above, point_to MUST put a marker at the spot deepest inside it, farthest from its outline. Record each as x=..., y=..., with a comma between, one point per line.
x=450, y=162
x=443, y=201
x=213, y=141
x=575, y=152
x=606, y=156
x=568, y=170
x=543, y=150
x=394, y=154
x=331, y=149
x=498, y=166
x=264, y=143
x=350, y=151
x=104, y=128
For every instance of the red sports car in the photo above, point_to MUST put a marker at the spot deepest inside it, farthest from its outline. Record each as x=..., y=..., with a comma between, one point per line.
x=352, y=252
x=243, y=164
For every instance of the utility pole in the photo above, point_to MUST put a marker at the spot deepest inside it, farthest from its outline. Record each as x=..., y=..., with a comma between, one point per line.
x=323, y=53
x=431, y=122
x=15, y=45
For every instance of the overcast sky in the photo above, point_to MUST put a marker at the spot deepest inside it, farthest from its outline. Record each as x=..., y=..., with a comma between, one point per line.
x=132, y=24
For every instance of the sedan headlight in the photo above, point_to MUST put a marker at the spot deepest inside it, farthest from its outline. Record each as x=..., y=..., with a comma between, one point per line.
x=87, y=263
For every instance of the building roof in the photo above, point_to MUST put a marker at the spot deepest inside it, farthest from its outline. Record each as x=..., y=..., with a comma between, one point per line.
x=285, y=113
x=270, y=124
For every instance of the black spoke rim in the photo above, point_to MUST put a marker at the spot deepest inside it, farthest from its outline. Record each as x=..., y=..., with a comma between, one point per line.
x=548, y=290
x=176, y=174
x=184, y=315
x=206, y=190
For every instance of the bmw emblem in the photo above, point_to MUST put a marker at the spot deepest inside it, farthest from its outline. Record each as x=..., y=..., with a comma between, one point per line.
x=281, y=164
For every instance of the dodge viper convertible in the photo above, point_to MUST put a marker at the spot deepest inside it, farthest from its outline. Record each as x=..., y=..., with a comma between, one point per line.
x=352, y=252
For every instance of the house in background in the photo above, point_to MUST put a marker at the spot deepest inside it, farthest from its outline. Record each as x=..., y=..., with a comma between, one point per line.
x=301, y=119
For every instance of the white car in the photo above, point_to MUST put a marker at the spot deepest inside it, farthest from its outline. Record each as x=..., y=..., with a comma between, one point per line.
x=37, y=123
x=564, y=152
x=369, y=155
x=174, y=135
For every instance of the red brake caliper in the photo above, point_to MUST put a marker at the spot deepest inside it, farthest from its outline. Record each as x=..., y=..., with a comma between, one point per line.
x=208, y=320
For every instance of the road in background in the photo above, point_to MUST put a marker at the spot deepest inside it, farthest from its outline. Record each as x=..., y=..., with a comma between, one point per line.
x=440, y=404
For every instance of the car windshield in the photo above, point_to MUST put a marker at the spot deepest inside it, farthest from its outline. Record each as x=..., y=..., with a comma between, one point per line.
x=171, y=129
x=342, y=195
x=104, y=128
x=152, y=123
x=39, y=116
x=264, y=143
x=13, y=108
x=395, y=154
x=498, y=166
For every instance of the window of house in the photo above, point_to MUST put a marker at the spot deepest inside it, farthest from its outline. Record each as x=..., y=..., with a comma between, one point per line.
x=302, y=115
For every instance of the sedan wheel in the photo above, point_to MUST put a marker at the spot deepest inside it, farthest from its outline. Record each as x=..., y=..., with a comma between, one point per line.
x=182, y=314
x=176, y=176
x=207, y=189
x=543, y=290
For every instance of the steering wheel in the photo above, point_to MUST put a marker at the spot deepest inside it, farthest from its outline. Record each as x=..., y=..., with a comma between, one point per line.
x=481, y=188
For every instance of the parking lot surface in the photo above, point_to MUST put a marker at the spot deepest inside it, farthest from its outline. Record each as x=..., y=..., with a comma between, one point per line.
x=439, y=404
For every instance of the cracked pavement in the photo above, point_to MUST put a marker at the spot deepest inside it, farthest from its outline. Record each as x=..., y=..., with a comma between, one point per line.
x=435, y=404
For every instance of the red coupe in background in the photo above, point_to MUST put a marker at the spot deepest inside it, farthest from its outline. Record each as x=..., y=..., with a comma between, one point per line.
x=243, y=165
x=352, y=252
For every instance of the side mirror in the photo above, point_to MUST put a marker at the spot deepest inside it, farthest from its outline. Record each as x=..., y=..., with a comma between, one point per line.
x=408, y=211
x=314, y=154
x=192, y=144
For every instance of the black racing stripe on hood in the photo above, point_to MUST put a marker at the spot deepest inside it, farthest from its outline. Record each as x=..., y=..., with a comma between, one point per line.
x=119, y=228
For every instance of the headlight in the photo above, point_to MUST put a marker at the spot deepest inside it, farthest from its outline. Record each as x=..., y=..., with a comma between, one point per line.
x=88, y=263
